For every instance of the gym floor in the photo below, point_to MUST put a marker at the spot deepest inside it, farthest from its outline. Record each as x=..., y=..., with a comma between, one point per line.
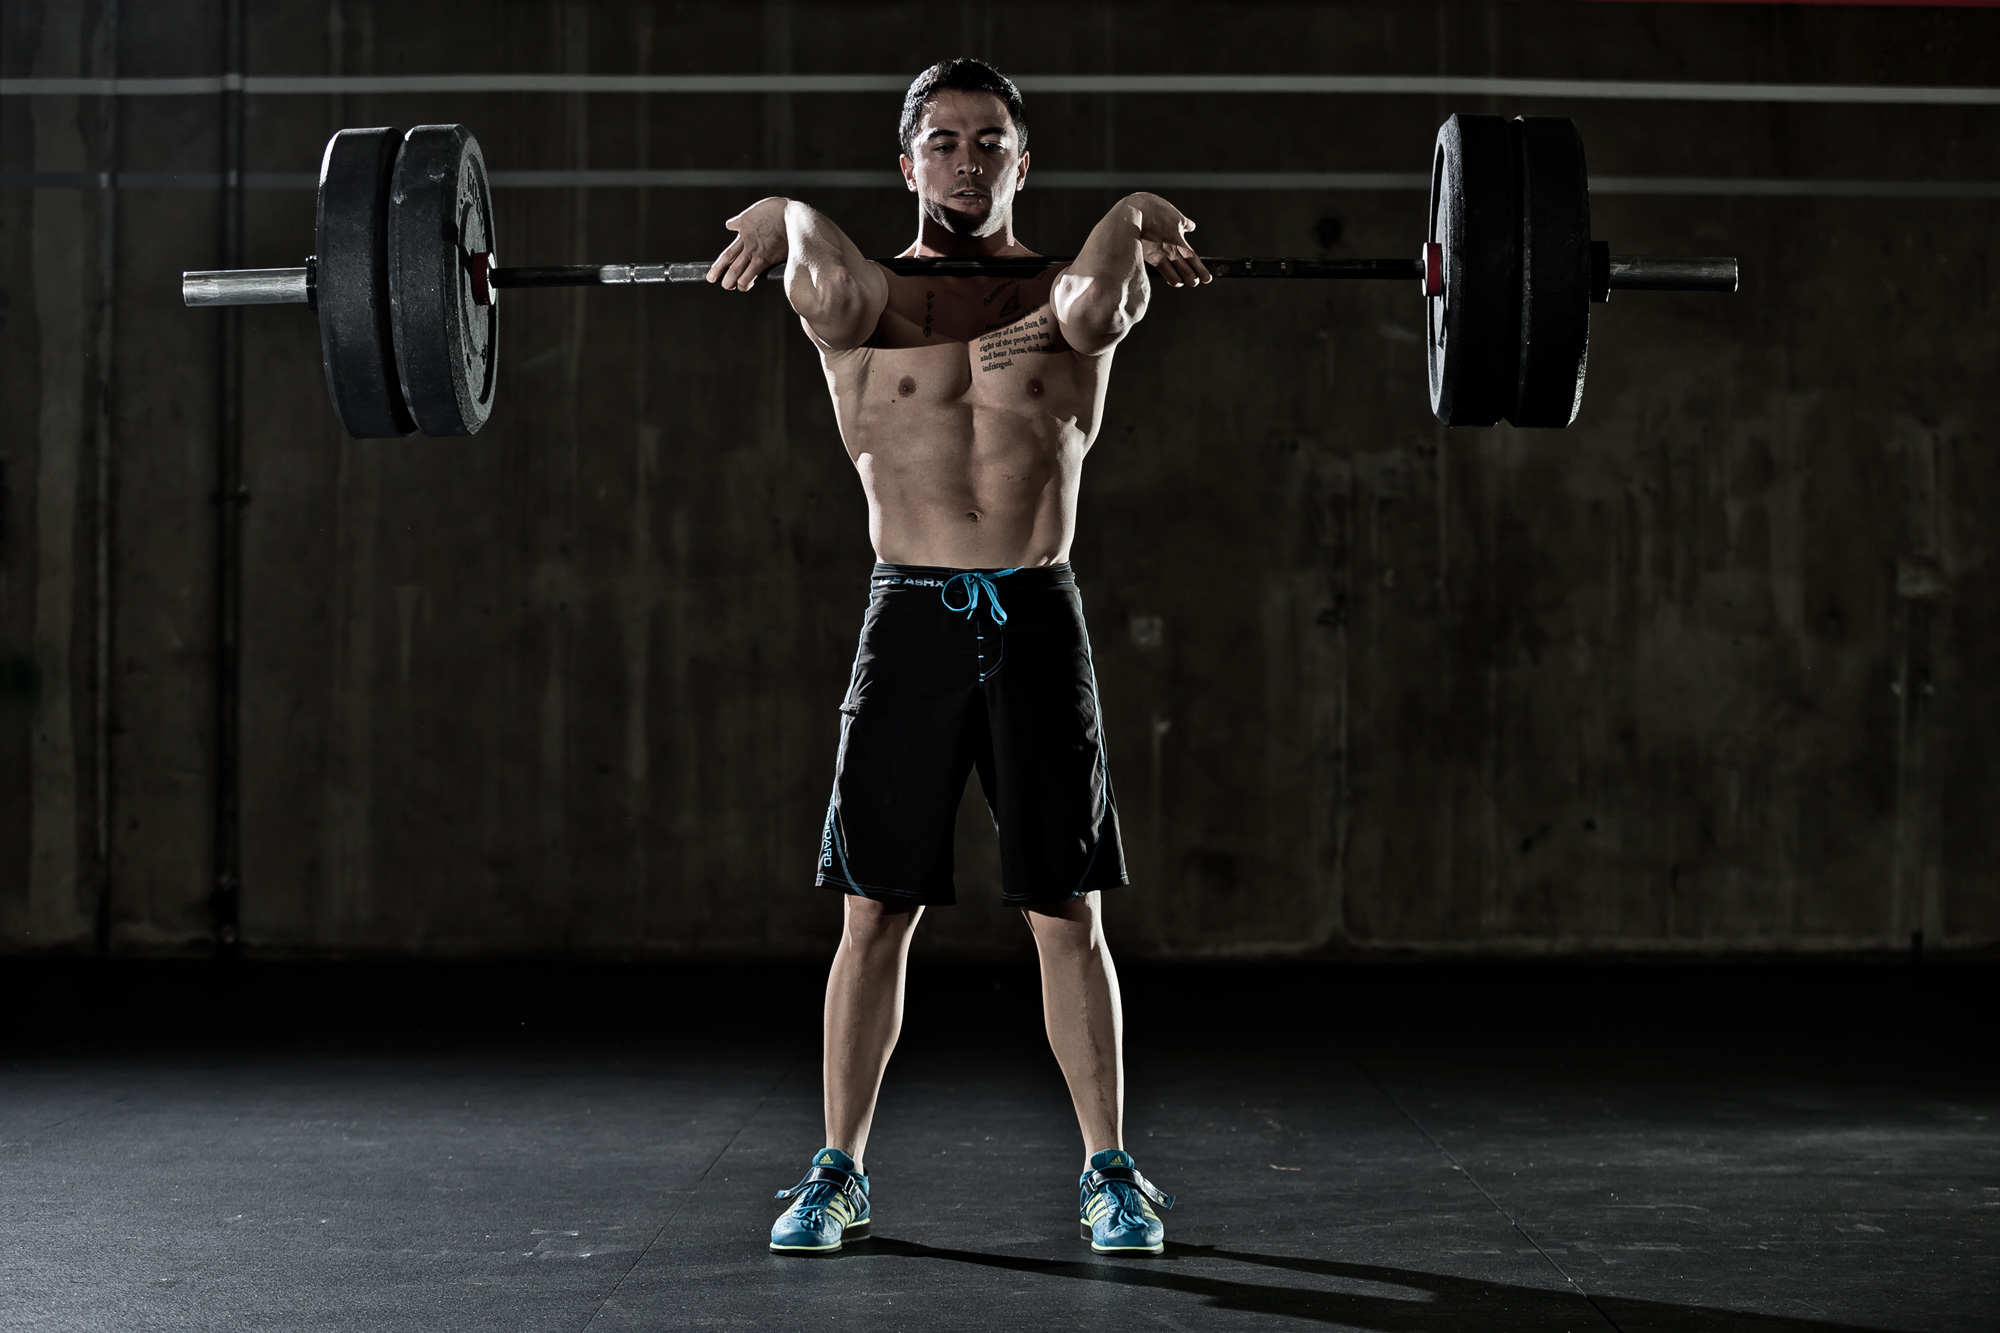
x=1752, y=1146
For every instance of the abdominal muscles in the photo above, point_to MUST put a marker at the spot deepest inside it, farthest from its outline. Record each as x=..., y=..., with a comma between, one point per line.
x=969, y=487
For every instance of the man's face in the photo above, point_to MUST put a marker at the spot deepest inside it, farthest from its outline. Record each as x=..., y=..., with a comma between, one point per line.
x=967, y=163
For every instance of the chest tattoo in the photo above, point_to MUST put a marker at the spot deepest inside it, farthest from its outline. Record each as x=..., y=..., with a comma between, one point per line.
x=998, y=348
x=930, y=300
x=1009, y=309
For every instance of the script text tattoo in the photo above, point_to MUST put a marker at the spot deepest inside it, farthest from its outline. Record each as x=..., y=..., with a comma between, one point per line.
x=998, y=349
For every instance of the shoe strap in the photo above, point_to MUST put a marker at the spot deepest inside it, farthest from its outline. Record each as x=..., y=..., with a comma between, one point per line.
x=1125, y=1175
x=846, y=1181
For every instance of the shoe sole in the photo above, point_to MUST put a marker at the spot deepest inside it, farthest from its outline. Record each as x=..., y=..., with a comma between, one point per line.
x=1083, y=1230
x=859, y=1231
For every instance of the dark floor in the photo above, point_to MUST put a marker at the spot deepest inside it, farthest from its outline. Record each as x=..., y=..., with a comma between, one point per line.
x=1394, y=1147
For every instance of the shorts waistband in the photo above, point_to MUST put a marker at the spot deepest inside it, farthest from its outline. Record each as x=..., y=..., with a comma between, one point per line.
x=937, y=576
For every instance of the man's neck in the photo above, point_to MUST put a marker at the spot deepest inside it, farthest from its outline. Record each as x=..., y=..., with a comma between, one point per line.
x=936, y=242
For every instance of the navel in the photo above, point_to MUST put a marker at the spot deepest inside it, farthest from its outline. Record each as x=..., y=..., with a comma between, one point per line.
x=1034, y=388
x=907, y=386
x=972, y=514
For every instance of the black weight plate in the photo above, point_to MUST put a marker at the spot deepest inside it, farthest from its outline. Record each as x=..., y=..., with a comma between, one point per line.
x=1473, y=327
x=440, y=216
x=1555, y=271
x=351, y=283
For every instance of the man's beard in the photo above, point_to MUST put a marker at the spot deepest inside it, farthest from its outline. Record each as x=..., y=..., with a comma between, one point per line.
x=960, y=221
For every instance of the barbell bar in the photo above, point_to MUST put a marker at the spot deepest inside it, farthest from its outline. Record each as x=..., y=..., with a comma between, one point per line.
x=293, y=286
x=406, y=287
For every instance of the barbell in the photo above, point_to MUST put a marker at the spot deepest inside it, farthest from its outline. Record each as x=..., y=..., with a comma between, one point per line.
x=405, y=284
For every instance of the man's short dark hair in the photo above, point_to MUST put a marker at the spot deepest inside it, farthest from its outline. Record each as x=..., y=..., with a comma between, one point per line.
x=964, y=75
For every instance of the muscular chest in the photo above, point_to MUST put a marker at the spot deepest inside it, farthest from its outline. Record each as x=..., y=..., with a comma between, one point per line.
x=925, y=311
x=986, y=341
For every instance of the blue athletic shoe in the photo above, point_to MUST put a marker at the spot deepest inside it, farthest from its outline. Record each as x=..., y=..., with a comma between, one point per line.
x=828, y=1206
x=1116, y=1215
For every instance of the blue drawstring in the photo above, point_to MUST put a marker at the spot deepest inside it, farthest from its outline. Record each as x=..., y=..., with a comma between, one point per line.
x=974, y=581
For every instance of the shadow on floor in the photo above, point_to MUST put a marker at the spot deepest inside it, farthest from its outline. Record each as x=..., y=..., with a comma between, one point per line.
x=1433, y=1300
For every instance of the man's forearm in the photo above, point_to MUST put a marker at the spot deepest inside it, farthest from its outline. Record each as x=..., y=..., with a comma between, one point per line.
x=1100, y=296
x=1112, y=252
x=836, y=289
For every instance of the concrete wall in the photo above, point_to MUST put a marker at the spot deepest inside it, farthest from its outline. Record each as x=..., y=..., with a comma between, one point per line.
x=1711, y=670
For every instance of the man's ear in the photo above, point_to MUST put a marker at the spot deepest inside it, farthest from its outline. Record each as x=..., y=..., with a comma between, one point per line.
x=1021, y=173
x=909, y=173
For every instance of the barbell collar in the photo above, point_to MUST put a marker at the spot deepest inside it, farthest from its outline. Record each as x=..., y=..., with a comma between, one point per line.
x=248, y=286
x=1643, y=273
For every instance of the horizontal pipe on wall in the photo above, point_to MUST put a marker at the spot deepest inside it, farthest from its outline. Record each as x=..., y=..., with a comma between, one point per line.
x=675, y=179
x=1411, y=85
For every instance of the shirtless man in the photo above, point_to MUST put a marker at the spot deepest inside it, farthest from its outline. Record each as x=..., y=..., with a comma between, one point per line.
x=967, y=405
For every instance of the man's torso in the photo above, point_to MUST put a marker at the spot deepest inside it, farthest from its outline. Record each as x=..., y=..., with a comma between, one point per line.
x=968, y=418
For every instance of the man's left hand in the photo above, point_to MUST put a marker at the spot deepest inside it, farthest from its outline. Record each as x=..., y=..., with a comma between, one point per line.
x=1163, y=233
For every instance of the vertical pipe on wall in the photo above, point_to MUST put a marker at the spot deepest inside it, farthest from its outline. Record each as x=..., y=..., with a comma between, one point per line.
x=58, y=267
x=224, y=899
x=554, y=899
x=107, y=271
x=637, y=606
x=1915, y=905
x=774, y=433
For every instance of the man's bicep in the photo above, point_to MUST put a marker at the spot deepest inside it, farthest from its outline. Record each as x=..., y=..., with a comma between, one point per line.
x=1095, y=312
x=820, y=342
x=846, y=305
x=842, y=339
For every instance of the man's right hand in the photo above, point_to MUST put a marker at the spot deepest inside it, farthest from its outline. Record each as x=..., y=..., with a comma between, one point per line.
x=760, y=243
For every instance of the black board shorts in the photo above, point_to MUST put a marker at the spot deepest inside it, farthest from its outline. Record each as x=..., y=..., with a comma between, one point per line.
x=963, y=669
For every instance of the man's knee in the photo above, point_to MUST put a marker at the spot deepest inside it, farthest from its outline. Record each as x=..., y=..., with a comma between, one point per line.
x=871, y=924
x=1070, y=923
